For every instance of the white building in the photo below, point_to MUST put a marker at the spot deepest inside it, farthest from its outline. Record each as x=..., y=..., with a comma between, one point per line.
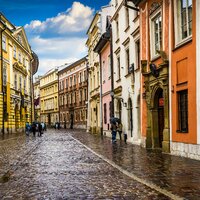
x=126, y=64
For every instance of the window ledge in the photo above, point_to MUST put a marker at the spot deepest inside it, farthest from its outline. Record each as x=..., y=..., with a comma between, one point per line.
x=183, y=42
x=118, y=80
x=155, y=57
x=117, y=40
x=127, y=75
x=127, y=28
x=180, y=131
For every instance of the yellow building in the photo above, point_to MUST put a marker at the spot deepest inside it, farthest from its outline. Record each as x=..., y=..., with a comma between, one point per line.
x=94, y=76
x=49, y=97
x=15, y=81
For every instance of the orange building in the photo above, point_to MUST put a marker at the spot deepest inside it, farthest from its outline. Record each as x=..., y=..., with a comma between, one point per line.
x=183, y=79
x=168, y=58
x=154, y=36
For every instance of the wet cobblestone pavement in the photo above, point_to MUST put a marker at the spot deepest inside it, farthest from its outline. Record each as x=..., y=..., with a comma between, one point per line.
x=77, y=165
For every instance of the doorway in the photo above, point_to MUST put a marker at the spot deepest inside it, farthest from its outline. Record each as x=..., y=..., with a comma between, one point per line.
x=158, y=118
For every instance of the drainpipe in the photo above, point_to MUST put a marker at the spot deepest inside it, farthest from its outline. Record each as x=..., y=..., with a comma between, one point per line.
x=2, y=89
x=112, y=72
x=101, y=111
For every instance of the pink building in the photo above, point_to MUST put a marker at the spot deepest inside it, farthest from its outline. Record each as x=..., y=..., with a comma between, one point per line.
x=103, y=48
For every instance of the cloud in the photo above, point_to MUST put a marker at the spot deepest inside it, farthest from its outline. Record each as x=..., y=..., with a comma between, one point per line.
x=74, y=20
x=58, y=47
x=60, y=39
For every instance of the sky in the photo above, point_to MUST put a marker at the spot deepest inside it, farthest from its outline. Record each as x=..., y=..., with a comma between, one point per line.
x=56, y=29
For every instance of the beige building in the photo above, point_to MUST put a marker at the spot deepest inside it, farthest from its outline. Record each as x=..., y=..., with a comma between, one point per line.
x=49, y=97
x=36, y=105
x=93, y=33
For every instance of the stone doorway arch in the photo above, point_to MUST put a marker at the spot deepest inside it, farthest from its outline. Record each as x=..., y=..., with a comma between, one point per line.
x=158, y=117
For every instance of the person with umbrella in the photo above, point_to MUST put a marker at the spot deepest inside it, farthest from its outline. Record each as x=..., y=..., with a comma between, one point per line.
x=113, y=129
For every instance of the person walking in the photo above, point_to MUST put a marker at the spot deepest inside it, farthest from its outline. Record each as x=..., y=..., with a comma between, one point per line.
x=119, y=130
x=33, y=128
x=114, y=131
x=39, y=129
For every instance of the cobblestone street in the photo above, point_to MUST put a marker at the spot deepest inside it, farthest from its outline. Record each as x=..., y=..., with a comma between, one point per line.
x=77, y=165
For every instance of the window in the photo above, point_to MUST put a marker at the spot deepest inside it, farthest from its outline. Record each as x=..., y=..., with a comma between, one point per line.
x=74, y=79
x=85, y=75
x=85, y=91
x=80, y=77
x=127, y=17
x=109, y=67
x=4, y=75
x=137, y=50
x=80, y=97
x=14, y=52
x=127, y=59
x=20, y=57
x=103, y=72
x=156, y=34
x=20, y=83
x=183, y=19
x=4, y=42
x=117, y=30
x=70, y=81
x=183, y=111
x=66, y=83
x=25, y=84
x=105, y=113
x=118, y=68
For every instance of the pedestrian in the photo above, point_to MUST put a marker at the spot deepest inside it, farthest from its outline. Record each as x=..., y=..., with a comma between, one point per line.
x=125, y=137
x=39, y=129
x=114, y=131
x=45, y=126
x=33, y=128
x=119, y=129
x=27, y=128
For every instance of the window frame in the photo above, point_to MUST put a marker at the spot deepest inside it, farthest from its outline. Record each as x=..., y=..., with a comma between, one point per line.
x=155, y=15
x=178, y=24
x=181, y=110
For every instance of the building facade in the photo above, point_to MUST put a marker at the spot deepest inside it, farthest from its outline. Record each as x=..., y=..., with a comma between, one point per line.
x=16, y=73
x=103, y=48
x=126, y=64
x=154, y=35
x=36, y=105
x=49, y=97
x=73, y=95
x=93, y=33
x=184, y=134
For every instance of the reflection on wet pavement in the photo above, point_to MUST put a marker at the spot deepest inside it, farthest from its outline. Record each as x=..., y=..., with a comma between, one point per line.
x=57, y=166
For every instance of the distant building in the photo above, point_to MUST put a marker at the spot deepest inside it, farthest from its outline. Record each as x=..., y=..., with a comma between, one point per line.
x=49, y=97
x=15, y=82
x=73, y=94
x=36, y=102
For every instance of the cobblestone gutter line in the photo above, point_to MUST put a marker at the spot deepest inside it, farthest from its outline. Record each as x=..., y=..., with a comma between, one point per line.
x=131, y=175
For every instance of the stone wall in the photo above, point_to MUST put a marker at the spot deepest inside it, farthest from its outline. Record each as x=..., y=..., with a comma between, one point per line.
x=185, y=150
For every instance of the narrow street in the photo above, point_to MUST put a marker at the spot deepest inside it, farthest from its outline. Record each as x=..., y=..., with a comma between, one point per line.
x=69, y=164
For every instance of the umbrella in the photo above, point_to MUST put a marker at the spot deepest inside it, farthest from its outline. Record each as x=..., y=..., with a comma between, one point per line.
x=114, y=120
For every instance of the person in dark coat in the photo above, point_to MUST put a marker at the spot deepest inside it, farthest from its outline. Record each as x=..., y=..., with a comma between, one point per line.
x=114, y=131
x=39, y=129
x=33, y=127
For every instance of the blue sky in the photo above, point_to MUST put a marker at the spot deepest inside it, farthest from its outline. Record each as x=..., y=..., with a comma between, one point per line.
x=56, y=29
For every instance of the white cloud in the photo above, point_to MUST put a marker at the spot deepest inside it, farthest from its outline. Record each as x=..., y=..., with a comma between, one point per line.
x=57, y=51
x=75, y=19
x=60, y=39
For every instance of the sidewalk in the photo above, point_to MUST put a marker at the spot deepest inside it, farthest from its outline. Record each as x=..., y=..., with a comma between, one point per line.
x=180, y=176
